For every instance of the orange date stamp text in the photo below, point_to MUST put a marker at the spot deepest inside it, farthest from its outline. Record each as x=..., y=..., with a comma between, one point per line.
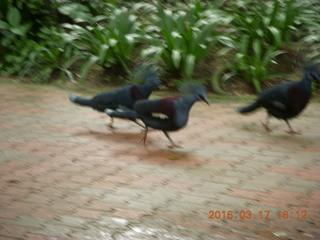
x=243, y=214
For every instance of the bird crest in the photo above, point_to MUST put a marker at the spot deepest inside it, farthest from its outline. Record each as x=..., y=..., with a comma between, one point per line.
x=312, y=70
x=148, y=72
x=193, y=88
x=311, y=67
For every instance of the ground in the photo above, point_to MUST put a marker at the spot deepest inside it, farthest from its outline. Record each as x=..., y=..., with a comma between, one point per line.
x=65, y=175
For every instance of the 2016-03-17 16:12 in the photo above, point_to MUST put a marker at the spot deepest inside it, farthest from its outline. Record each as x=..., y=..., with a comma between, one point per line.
x=260, y=215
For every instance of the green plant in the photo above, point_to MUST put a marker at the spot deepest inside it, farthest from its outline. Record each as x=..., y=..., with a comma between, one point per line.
x=40, y=59
x=250, y=60
x=311, y=25
x=13, y=40
x=258, y=30
x=12, y=30
x=274, y=21
x=110, y=44
x=183, y=38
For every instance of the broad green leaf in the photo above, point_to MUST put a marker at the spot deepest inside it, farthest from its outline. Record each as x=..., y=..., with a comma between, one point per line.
x=274, y=14
x=151, y=51
x=103, y=53
x=13, y=16
x=276, y=35
x=257, y=48
x=189, y=66
x=4, y=25
x=227, y=76
x=176, y=58
x=86, y=67
x=68, y=74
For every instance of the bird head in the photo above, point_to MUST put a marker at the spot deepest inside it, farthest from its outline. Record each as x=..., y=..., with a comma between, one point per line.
x=313, y=73
x=197, y=90
x=152, y=79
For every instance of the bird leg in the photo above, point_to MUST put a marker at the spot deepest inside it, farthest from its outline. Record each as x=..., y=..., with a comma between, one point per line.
x=110, y=125
x=266, y=124
x=291, y=131
x=145, y=136
x=173, y=145
x=139, y=124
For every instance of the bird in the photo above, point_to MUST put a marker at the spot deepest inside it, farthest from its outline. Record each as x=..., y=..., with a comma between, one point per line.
x=287, y=100
x=124, y=113
x=120, y=97
x=170, y=113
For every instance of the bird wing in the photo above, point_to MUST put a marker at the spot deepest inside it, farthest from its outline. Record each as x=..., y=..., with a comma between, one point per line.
x=158, y=114
x=115, y=98
x=276, y=97
x=106, y=99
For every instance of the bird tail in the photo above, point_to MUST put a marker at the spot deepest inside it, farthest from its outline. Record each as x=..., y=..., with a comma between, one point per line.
x=249, y=108
x=122, y=113
x=80, y=100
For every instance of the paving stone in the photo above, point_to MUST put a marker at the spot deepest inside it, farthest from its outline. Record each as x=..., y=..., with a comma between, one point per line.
x=9, y=231
x=64, y=175
x=74, y=221
x=113, y=222
x=28, y=221
x=54, y=230
x=92, y=192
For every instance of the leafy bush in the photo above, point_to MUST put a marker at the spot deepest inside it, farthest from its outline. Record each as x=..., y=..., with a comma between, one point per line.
x=273, y=21
x=41, y=38
x=12, y=29
x=258, y=32
x=311, y=27
x=182, y=37
x=250, y=60
x=107, y=45
x=40, y=59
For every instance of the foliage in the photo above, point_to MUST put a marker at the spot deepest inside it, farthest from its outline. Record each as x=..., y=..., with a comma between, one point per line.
x=43, y=38
x=41, y=59
x=12, y=29
x=13, y=34
x=259, y=29
x=250, y=60
x=183, y=37
x=271, y=20
x=107, y=45
x=311, y=22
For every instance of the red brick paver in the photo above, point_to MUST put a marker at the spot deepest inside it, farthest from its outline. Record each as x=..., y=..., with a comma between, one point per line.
x=65, y=175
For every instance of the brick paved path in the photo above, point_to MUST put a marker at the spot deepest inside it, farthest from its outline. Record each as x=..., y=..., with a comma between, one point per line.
x=64, y=175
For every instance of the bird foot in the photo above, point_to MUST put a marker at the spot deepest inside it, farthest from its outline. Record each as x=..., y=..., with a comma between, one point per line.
x=293, y=132
x=111, y=127
x=266, y=127
x=143, y=139
x=144, y=130
x=174, y=146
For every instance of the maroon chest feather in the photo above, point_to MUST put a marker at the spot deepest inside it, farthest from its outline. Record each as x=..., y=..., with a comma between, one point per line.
x=298, y=99
x=136, y=94
x=166, y=106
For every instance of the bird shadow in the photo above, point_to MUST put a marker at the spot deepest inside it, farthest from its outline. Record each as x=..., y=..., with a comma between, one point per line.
x=156, y=155
x=114, y=134
x=279, y=135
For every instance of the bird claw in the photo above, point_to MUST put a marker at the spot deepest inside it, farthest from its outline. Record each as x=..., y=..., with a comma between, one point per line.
x=293, y=132
x=111, y=127
x=174, y=146
x=266, y=127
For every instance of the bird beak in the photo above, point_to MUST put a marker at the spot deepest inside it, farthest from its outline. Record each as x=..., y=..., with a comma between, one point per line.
x=206, y=100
